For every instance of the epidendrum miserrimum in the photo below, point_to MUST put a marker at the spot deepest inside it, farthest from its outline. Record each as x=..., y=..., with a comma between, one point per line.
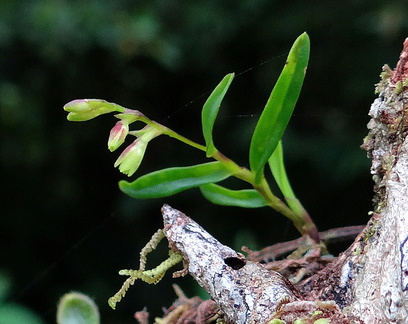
x=265, y=149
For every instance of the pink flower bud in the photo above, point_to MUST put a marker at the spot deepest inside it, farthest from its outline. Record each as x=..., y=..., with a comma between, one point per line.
x=118, y=134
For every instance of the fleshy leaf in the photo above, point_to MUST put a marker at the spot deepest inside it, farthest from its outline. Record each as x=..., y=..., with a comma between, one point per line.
x=278, y=170
x=210, y=111
x=170, y=181
x=247, y=198
x=279, y=107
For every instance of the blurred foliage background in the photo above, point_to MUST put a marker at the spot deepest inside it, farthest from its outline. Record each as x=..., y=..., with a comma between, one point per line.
x=64, y=225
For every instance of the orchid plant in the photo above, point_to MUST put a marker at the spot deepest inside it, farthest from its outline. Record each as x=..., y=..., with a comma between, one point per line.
x=265, y=148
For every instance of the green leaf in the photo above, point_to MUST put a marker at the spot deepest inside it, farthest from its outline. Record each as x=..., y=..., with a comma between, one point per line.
x=170, y=181
x=210, y=111
x=279, y=107
x=278, y=170
x=247, y=198
x=77, y=308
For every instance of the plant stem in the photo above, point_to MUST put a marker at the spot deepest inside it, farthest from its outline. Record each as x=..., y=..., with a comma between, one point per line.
x=183, y=139
x=303, y=222
x=167, y=131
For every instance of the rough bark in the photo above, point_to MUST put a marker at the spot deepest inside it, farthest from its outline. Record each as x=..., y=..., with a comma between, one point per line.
x=368, y=283
x=370, y=279
x=380, y=275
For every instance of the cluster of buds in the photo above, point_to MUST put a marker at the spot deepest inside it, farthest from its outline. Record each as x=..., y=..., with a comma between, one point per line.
x=129, y=161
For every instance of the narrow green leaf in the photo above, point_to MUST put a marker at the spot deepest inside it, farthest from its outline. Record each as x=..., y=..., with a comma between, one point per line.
x=279, y=172
x=247, y=198
x=279, y=107
x=210, y=111
x=277, y=166
x=170, y=181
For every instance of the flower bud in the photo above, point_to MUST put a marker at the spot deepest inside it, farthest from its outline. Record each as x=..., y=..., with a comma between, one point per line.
x=130, y=159
x=118, y=134
x=86, y=109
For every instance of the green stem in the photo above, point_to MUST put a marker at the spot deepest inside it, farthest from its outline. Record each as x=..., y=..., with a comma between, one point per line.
x=183, y=139
x=171, y=133
x=303, y=223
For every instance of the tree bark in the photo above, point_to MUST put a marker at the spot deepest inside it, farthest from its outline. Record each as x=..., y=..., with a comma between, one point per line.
x=368, y=283
x=378, y=266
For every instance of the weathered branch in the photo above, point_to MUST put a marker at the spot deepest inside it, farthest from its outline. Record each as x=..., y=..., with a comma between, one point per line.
x=245, y=291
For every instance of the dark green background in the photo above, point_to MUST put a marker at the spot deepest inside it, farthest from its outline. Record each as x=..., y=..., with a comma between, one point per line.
x=64, y=225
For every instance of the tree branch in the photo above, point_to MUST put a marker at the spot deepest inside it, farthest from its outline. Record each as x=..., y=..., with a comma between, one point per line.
x=245, y=291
